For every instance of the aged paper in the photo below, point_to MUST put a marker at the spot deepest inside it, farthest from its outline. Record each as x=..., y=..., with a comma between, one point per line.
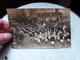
x=40, y=28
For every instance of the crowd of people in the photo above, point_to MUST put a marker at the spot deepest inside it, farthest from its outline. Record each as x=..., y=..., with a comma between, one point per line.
x=42, y=31
x=50, y=31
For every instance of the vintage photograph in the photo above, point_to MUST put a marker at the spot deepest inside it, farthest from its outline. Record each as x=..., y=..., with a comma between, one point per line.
x=40, y=28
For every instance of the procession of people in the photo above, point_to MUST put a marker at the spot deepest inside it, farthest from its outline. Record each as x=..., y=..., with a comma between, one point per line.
x=42, y=29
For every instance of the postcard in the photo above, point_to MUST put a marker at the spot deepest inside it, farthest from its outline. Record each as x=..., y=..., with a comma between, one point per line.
x=40, y=28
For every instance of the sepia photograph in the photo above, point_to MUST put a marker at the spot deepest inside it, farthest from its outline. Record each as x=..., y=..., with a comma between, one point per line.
x=40, y=28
